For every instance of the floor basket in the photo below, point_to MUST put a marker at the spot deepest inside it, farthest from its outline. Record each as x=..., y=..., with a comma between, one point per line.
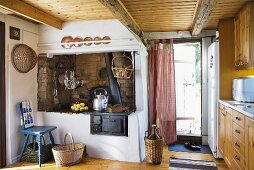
x=154, y=150
x=68, y=154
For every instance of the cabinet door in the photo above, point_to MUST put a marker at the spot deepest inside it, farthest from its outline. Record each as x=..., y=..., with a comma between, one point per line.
x=249, y=143
x=228, y=137
x=244, y=36
x=221, y=130
x=237, y=41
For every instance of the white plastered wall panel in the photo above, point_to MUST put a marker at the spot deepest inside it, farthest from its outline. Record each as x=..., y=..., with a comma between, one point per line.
x=19, y=86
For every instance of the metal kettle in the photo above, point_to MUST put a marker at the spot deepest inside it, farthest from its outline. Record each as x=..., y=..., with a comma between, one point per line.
x=100, y=102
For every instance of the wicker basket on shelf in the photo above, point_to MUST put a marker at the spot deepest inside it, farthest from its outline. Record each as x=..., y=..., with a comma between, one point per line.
x=122, y=71
x=68, y=154
x=154, y=150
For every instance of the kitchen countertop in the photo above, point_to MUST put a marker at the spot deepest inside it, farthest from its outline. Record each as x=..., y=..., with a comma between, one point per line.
x=246, y=109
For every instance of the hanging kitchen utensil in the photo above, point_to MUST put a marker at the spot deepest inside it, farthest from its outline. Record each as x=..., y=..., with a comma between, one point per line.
x=70, y=81
x=55, y=84
x=122, y=71
x=61, y=78
x=23, y=58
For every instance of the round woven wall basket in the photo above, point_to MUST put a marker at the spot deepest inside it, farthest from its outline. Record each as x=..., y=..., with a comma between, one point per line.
x=23, y=58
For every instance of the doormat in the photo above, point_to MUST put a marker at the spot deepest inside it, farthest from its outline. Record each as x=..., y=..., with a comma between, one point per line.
x=185, y=164
x=180, y=148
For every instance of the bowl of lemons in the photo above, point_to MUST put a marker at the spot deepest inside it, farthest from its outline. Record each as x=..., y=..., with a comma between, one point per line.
x=79, y=107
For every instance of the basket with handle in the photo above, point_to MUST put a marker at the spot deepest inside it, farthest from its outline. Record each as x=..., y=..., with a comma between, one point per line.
x=122, y=72
x=68, y=154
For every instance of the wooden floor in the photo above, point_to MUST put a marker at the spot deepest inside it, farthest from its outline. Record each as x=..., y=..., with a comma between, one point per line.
x=101, y=164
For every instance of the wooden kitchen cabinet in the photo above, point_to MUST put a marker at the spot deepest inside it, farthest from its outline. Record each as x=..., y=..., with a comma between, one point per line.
x=249, y=143
x=221, y=129
x=225, y=133
x=236, y=138
x=244, y=37
x=228, y=137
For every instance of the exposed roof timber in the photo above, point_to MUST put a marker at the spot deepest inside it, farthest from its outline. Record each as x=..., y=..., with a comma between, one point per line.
x=121, y=13
x=202, y=12
x=28, y=11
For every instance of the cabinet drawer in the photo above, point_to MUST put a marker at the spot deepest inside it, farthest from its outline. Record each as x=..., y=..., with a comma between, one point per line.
x=238, y=159
x=238, y=132
x=238, y=118
x=235, y=166
x=238, y=145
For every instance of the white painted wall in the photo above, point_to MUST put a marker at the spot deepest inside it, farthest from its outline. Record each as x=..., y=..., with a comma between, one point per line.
x=24, y=87
x=50, y=38
x=129, y=148
x=19, y=86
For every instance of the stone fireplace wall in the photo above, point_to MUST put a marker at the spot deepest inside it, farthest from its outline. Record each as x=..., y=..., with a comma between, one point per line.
x=88, y=67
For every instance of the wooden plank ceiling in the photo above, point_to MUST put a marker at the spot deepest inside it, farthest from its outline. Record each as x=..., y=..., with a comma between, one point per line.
x=224, y=9
x=73, y=10
x=149, y=15
x=162, y=15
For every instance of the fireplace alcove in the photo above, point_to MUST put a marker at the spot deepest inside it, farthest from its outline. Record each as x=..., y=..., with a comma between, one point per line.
x=88, y=68
x=129, y=148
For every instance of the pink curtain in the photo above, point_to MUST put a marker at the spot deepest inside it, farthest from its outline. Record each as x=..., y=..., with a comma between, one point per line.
x=162, y=95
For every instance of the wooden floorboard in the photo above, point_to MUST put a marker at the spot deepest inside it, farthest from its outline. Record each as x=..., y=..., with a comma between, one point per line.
x=101, y=164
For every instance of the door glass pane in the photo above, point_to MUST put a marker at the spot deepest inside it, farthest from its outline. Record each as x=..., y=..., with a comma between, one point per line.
x=188, y=88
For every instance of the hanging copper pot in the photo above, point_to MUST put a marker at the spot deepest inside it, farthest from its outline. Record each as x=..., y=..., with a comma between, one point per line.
x=97, y=39
x=78, y=39
x=106, y=38
x=67, y=39
x=88, y=39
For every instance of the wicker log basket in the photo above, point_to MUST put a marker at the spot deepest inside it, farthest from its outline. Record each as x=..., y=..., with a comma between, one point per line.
x=154, y=150
x=32, y=152
x=68, y=154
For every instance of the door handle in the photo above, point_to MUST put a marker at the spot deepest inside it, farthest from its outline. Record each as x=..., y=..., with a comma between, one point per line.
x=236, y=144
x=238, y=118
x=237, y=131
x=237, y=158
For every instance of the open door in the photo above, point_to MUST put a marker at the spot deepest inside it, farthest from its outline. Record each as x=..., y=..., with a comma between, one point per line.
x=2, y=97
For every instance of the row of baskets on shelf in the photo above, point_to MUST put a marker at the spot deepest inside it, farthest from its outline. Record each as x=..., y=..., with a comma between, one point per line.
x=70, y=42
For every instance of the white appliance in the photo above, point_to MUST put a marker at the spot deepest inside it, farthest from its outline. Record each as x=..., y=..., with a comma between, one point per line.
x=213, y=97
x=243, y=90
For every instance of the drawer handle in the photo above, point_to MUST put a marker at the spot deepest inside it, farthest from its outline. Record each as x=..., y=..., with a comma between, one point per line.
x=238, y=118
x=237, y=131
x=236, y=144
x=237, y=158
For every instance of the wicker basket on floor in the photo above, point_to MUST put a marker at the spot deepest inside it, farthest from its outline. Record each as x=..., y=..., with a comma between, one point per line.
x=68, y=154
x=154, y=150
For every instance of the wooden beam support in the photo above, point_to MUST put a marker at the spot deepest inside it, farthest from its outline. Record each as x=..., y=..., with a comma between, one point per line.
x=203, y=10
x=121, y=13
x=21, y=8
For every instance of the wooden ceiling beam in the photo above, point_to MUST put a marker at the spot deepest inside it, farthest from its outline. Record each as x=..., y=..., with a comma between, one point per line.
x=203, y=9
x=121, y=13
x=21, y=8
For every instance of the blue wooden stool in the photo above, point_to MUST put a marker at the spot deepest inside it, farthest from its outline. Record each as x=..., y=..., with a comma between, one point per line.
x=34, y=131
